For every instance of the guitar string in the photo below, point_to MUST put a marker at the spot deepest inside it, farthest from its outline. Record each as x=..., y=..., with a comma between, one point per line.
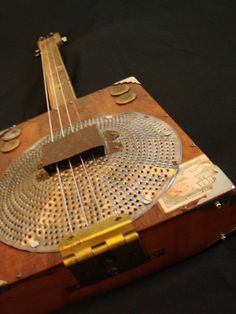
x=79, y=118
x=115, y=211
x=69, y=162
x=82, y=162
x=72, y=130
x=63, y=134
x=52, y=139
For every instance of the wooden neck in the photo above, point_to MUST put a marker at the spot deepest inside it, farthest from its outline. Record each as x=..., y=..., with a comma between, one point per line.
x=59, y=87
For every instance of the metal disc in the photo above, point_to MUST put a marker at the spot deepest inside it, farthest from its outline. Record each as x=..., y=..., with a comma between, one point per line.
x=33, y=216
x=9, y=146
x=2, y=132
x=126, y=98
x=119, y=89
x=11, y=134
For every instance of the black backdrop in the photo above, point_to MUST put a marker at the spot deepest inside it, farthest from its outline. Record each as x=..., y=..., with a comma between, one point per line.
x=184, y=54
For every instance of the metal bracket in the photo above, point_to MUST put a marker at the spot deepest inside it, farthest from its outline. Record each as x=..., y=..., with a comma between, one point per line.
x=103, y=250
x=88, y=140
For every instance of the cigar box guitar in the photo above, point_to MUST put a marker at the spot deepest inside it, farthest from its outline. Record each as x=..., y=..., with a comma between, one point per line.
x=99, y=191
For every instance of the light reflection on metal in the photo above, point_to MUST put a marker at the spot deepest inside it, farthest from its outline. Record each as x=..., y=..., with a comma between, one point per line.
x=9, y=145
x=32, y=210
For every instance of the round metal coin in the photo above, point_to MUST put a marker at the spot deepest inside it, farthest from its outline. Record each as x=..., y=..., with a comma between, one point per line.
x=11, y=134
x=3, y=132
x=9, y=146
x=126, y=98
x=119, y=89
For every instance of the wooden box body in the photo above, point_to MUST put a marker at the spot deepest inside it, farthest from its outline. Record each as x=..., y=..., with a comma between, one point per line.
x=39, y=282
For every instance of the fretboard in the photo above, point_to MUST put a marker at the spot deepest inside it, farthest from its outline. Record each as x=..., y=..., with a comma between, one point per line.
x=59, y=87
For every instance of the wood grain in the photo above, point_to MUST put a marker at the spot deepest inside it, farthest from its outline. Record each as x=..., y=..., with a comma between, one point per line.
x=59, y=87
x=40, y=279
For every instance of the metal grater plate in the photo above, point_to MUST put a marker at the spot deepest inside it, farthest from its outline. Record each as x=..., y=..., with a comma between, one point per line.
x=32, y=212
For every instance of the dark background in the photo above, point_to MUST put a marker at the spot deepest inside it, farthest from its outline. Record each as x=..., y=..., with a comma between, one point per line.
x=184, y=54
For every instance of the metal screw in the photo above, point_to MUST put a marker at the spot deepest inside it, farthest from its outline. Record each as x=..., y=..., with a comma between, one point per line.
x=34, y=243
x=64, y=39
x=114, y=133
x=18, y=275
x=167, y=133
x=218, y=204
x=222, y=236
x=147, y=199
x=3, y=283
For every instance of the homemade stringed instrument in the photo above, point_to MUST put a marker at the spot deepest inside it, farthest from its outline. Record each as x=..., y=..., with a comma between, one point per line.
x=77, y=177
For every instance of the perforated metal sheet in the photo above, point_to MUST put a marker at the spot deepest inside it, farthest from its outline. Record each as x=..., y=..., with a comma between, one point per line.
x=32, y=212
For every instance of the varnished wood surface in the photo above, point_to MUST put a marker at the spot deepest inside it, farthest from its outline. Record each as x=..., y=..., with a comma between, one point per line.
x=180, y=238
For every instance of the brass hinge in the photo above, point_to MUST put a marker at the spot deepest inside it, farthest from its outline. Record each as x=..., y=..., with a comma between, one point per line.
x=104, y=249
